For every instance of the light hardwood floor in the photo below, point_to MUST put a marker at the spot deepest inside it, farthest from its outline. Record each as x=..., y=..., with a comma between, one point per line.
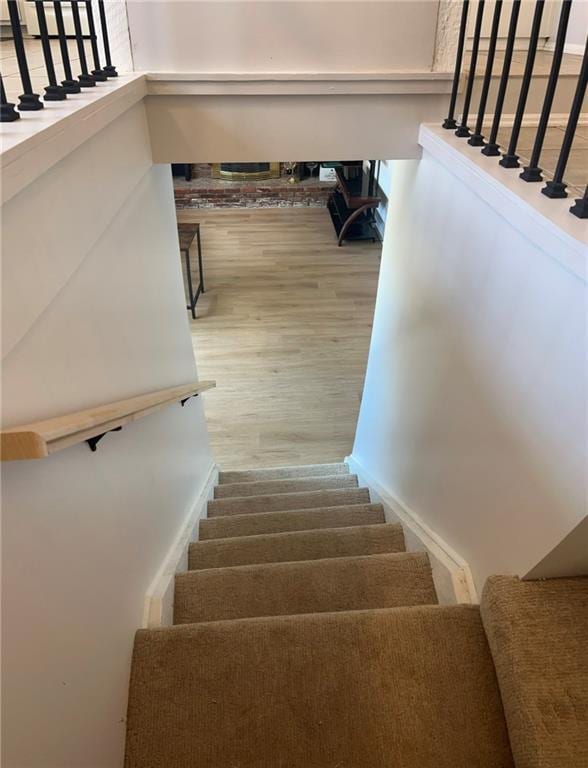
x=284, y=329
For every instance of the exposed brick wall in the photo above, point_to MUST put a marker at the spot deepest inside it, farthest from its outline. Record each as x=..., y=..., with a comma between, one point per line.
x=205, y=192
x=251, y=196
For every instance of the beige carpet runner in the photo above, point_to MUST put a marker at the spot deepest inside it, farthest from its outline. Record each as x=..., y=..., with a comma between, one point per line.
x=307, y=637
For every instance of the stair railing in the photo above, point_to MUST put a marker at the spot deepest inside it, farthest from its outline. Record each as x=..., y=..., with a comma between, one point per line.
x=97, y=28
x=39, y=439
x=555, y=187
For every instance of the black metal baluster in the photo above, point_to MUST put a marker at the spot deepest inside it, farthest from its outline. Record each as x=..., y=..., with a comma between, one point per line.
x=463, y=130
x=69, y=84
x=510, y=159
x=29, y=101
x=53, y=92
x=86, y=80
x=8, y=113
x=532, y=171
x=580, y=207
x=492, y=148
x=477, y=139
x=450, y=121
x=110, y=69
x=556, y=187
x=98, y=72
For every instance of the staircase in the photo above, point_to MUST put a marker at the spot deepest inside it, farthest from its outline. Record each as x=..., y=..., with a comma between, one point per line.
x=307, y=637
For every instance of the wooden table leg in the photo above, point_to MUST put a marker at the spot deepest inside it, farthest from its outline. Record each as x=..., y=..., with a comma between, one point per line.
x=190, y=289
x=200, y=261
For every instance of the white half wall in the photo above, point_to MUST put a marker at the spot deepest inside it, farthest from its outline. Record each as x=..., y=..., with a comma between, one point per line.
x=283, y=35
x=85, y=535
x=112, y=163
x=473, y=411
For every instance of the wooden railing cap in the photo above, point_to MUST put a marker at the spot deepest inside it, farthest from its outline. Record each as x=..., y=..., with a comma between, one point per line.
x=39, y=439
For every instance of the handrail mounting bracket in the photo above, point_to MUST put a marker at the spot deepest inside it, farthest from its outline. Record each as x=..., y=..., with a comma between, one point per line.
x=93, y=441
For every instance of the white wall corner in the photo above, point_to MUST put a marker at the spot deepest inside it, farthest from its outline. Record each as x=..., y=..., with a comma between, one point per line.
x=451, y=573
x=159, y=598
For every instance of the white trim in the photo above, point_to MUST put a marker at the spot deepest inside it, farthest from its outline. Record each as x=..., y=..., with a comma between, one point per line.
x=547, y=223
x=576, y=49
x=307, y=76
x=158, y=606
x=297, y=83
x=452, y=575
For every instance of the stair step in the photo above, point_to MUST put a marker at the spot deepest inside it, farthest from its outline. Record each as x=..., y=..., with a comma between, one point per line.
x=247, y=505
x=538, y=636
x=282, y=473
x=297, y=545
x=308, y=586
x=402, y=687
x=297, y=520
x=293, y=485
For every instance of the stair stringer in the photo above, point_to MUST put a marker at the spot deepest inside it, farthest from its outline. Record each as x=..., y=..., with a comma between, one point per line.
x=158, y=608
x=451, y=573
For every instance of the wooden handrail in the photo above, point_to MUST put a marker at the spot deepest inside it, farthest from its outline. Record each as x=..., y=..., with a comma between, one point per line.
x=41, y=438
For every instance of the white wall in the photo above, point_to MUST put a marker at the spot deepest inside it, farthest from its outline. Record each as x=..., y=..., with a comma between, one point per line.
x=578, y=27
x=473, y=412
x=84, y=534
x=282, y=35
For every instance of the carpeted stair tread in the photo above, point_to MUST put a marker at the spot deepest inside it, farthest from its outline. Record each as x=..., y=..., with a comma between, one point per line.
x=247, y=505
x=308, y=586
x=294, y=485
x=295, y=520
x=278, y=473
x=364, y=689
x=538, y=635
x=297, y=545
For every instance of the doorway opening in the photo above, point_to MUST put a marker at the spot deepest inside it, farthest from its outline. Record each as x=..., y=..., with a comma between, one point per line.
x=284, y=322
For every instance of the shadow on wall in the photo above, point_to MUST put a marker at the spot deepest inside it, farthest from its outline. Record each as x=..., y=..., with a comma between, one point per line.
x=469, y=454
x=474, y=394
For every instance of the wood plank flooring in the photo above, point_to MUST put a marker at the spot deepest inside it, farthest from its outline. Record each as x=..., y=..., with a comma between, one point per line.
x=284, y=329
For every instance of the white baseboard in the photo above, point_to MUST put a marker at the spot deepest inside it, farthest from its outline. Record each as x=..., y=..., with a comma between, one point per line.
x=158, y=607
x=575, y=48
x=451, y=573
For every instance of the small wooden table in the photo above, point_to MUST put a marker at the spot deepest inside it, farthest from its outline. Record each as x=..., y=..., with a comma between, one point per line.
x=186, y=234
